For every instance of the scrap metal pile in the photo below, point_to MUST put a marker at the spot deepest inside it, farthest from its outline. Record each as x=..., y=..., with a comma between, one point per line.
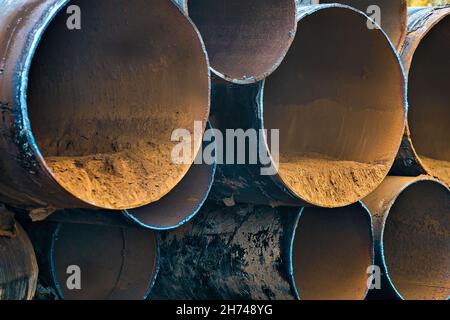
x=336, y=184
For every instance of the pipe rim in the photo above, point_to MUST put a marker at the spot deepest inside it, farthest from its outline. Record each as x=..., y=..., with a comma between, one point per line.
x=407, y=60
x=22, y=89
x=134, y=217
x=399, y=40
x=244, y=79
x=57, y=284
x=291, y=263
x=404, y=88
x=387, y=210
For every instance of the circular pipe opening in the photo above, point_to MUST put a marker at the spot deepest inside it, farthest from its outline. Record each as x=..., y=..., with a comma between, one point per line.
x=332, y=250
x=245, y=39
x=103, y=101
x=429, y=96
x=114, y=263
x=416, y=242
x=393, y=15
x=339, y=107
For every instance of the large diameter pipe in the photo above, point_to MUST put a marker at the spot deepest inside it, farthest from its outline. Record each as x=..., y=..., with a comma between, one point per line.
x=425, y=148
x=246, y=40
x=91, y=262
x=259, y=253
x=87, y=115
x=338, y=106
x=18, y=266
x=392, y=14
x=411, y=219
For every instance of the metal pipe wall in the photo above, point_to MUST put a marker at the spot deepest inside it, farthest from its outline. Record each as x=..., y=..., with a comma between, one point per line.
x=327, y=100
x=425, y=148
x=245, y=40
x=113, y=263
x=18, y=266
x=256, y=252
x=91, y=153
x=412, y=238
x=393, y=15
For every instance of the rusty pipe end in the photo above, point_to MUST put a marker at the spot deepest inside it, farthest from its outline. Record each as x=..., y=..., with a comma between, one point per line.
x=246, y=40
x=393, y=15
x=91, y=262
x=18, y=266
x=331, y=251
x=425, y=57
x=100, y=107
x=412, y=228
x=340, y=107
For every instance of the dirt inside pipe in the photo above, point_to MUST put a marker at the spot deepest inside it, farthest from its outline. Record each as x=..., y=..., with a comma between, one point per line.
x=339, y=109
x=331, y=180
x=115, y=263
x=245, y=39
x=429, y=96
x=104, y=101
x=332, y=252
x=416, y=242
x=392, y=15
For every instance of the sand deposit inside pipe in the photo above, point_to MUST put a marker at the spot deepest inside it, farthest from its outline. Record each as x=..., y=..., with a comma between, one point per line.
x=147, y=173
x=330, y=182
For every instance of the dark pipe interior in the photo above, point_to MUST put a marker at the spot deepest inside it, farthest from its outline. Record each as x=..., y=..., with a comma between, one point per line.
x=115, y=263
x=416, y=242
x=338, y=101
x=429, y=100
x=245, y=39
x=103, y=101
x=393, y=15
x=332, y=252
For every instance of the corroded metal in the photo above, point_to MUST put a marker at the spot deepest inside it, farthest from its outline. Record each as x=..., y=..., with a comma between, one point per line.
x=246, y=40
x=111, y=263
x=424, y=24
x=259, y=253
x=26, y=26
x=302, y=81
x=411, y=218
x=393, y=14
x=18, y=266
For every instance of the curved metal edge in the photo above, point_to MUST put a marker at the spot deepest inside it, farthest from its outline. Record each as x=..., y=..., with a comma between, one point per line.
x=135, y=220
x=57, y=285
x=22, y=87
x=291, y=249
x=183, y=5
x=421, y=21
x=51, y=259
x=304, y=11
x=157, y=266
x=385, y=217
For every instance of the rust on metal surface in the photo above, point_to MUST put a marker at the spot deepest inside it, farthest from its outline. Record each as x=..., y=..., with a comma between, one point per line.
x=18, y=266
x=425, y=148
x=246, y=39
x=339, y=106
x=112, y=263
x=393, y=14
x=412, y=237
x=87, y=115
x=259, y=253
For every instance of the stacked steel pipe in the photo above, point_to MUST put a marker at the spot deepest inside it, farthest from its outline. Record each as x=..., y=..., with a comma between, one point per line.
x=87, y=122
